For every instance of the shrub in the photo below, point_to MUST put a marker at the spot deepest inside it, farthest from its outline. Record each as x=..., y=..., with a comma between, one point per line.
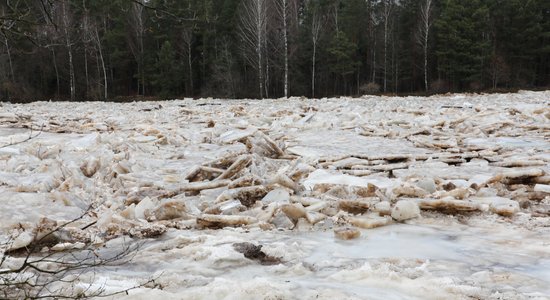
x=369, y=88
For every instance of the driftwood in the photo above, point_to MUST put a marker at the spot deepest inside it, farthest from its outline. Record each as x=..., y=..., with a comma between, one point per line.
x=236, y=167
x=220, y=221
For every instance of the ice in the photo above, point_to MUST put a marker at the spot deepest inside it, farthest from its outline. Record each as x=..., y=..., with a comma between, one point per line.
x=405, y=210
x=464, y=177
x=322, y=176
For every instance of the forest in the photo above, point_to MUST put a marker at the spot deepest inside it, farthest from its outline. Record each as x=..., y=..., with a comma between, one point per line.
x=158, y=49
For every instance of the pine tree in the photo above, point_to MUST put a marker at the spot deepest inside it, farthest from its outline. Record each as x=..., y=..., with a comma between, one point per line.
x=462, y=41
x=166, y=78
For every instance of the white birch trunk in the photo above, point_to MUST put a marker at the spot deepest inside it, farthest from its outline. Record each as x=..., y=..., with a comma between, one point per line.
x=285, y=35
x=56, y=72
x=253, y=32
x=387, y=14
x=8, y=51
x=315, y=31
x=68, y=44
x=105, y=85
x=424, y=34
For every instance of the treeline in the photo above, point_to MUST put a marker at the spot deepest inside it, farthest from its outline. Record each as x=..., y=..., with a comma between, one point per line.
x=108, y=49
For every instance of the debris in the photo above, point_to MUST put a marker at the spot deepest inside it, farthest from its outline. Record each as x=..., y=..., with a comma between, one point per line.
x=237, y=166
x=247, y=195
x=448, y=205
x=347, y=233
x=255, y=252
x=220, y=221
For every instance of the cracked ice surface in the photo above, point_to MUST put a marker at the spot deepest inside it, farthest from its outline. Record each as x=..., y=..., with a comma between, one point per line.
x=190, y=178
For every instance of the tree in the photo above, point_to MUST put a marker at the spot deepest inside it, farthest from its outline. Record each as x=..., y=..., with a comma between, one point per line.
x=462, y=41
x=166, y=79
x=253, y=30
x=316, y=25
x=282, y=6
x=388, y=7
x=425, y=24
x=258, y=48
x=136, y=22
x=341, y=53
x=66, y=21
x=31, y=273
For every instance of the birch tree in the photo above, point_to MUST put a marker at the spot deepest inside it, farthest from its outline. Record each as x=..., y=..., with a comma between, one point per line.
x=66, y=22
x=426, y=9
x=283, y=12
x=253, y=32
x=99, y=48
x=388, y=8
x=316, y=25
x=136, y=22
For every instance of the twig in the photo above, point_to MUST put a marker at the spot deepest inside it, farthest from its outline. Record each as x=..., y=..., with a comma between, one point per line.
x=31, y=136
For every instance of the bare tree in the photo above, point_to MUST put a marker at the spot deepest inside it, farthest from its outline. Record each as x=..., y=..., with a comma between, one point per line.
x=316, y=25
x=283, y=12
x=97, y=40
x=387, y=13
x=90, y=35
x=373, y=22
x=188, y=38
x=253, y=32
x=136, y=21
x=31, y=273
x=426, y=21
x=85, y=24
x=8, y=52
x=66, y=21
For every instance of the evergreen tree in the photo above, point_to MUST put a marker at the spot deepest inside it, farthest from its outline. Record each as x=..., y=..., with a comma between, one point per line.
x=166, y=78
x=462, y=41
x=103, y=49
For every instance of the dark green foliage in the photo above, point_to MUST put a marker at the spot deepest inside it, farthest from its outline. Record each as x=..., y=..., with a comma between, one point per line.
x=191, y=48
x=342, y=60
x=462, y=41
x=166, y=77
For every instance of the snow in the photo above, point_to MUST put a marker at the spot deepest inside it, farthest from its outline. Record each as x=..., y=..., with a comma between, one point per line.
x=293, y=162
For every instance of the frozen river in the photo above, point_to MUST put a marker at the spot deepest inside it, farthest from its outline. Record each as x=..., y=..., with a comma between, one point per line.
x=446, y=197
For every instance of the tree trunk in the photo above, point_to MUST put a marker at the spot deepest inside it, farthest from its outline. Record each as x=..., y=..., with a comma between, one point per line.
x=313, y=70
x=266, y=85
x=425, y=24
x=8, y=51
x=68, y=44
x=142, y=63
x=56, y=73
x=253, y=32
x=386, y=19
x=86, y=71
x=190, y=64
x=259, y=47
x=105, y=85
x=374, y=61
x=285, y=35
x=426, y=65
x=315, y=31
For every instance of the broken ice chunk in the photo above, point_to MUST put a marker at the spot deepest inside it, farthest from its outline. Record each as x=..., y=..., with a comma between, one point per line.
x=504, y=207
x=347, y=233
x=405, y=210
x=276, y=195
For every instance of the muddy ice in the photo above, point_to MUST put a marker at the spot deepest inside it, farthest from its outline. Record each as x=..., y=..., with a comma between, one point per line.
x=446, y=197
